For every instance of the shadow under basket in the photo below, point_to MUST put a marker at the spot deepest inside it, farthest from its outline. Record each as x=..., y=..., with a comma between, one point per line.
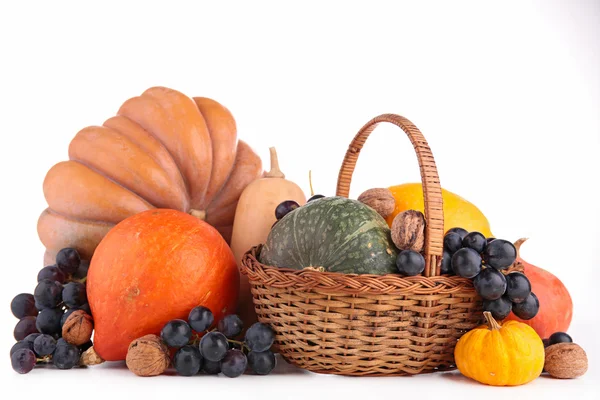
x=369, y=325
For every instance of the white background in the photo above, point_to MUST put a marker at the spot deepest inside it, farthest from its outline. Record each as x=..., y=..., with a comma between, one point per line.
x=507, y=94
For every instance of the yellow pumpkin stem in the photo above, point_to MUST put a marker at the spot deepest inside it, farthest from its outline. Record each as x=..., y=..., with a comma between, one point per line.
x=275, y=172
x=312, y=192
x=200, y=214
x=492, y=323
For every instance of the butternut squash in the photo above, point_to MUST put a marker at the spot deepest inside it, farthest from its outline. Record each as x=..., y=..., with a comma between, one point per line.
x=254, y=217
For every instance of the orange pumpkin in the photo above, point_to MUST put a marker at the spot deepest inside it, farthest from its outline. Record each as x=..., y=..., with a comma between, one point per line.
x=154, y=267
x=162, y=150
x=556, y=305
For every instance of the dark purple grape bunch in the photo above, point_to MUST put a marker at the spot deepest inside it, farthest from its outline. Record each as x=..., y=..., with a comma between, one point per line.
x=60, y=291
x=218, y=351
x=471, y=255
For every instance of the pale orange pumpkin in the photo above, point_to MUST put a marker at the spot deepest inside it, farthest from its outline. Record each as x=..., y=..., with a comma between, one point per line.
x=162, y=150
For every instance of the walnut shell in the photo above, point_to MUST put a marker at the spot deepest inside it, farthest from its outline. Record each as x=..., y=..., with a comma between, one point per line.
x=381, y=200
x=90, y=357
x=147, y=356
x=78, y=328
x=565, y=361
x=408, y=231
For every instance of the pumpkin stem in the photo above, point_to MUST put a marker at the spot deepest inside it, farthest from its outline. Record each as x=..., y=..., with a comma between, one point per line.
x=275, y=172
x=518, y=244
x=200, y=214
x=312, y=192
x=492, y=323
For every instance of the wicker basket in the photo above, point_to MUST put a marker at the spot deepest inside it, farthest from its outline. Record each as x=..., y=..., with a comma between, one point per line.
x=368, y=324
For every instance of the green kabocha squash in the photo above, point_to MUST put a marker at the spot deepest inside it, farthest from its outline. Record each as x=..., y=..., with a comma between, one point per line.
x=335, y=233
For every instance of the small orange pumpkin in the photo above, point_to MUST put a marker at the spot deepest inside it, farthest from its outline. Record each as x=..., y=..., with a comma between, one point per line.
x=500, y=355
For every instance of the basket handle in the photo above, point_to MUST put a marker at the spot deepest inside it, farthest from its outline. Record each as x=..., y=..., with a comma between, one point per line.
x=432, y=191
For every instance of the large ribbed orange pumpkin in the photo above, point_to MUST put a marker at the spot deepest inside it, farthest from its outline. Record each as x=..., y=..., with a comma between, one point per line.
x=162, y=150
x=153, y=267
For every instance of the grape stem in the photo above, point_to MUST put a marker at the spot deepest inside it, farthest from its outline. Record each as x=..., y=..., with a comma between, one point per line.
x=241, y=344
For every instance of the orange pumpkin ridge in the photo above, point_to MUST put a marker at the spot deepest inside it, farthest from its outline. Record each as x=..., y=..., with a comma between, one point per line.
x=162, y=150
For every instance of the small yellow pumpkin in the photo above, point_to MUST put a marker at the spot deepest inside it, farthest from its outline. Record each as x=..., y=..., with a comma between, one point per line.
x=510, y=354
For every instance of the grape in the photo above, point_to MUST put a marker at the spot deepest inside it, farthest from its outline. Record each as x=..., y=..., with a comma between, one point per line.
x=262, y=363
x=74, y=294
x=315, y=197
x=66, y=356
x=187, y=361
x=21, y=344
x=47, y=294
x=490, y=284
x=559, y=337
x=82, y=271
x=446, y=267
x=500, y=308
x=462, y=232
x=213, y=346
x=500, y=254
x=52, y=273
x=546, y=342
x=259, y=337
x=68, y=260
x=284, y=208
x=86, y=308
x=211, y=367
x=31, y=338
x=410, y=263
x=176, y=333
x=64, y=317
x=44, y=345
x=490, y=239
x=23, y=361
x=230, y=326
x=518, y=287
x=528, y=308
x=24, y=327
x=234, y=363
x=475, y=241
x=200, y=318
x=61, y=342
x=23, y=305
x=466, y=263
x=452, y=242
x=48, y=321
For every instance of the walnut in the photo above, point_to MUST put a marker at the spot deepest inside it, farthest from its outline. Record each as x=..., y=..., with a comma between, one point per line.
x=565, y=361
x=381, y=200
x=408, y=231
x=147, y=356
x=90, y=357
x=78, y=328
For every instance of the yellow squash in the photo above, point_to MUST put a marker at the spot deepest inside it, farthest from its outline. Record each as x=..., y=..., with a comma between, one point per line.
x=458, y=212
x=254, y=217
x=500, y=355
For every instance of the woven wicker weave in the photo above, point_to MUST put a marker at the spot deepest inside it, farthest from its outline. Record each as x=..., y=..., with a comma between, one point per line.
x=367, y=324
